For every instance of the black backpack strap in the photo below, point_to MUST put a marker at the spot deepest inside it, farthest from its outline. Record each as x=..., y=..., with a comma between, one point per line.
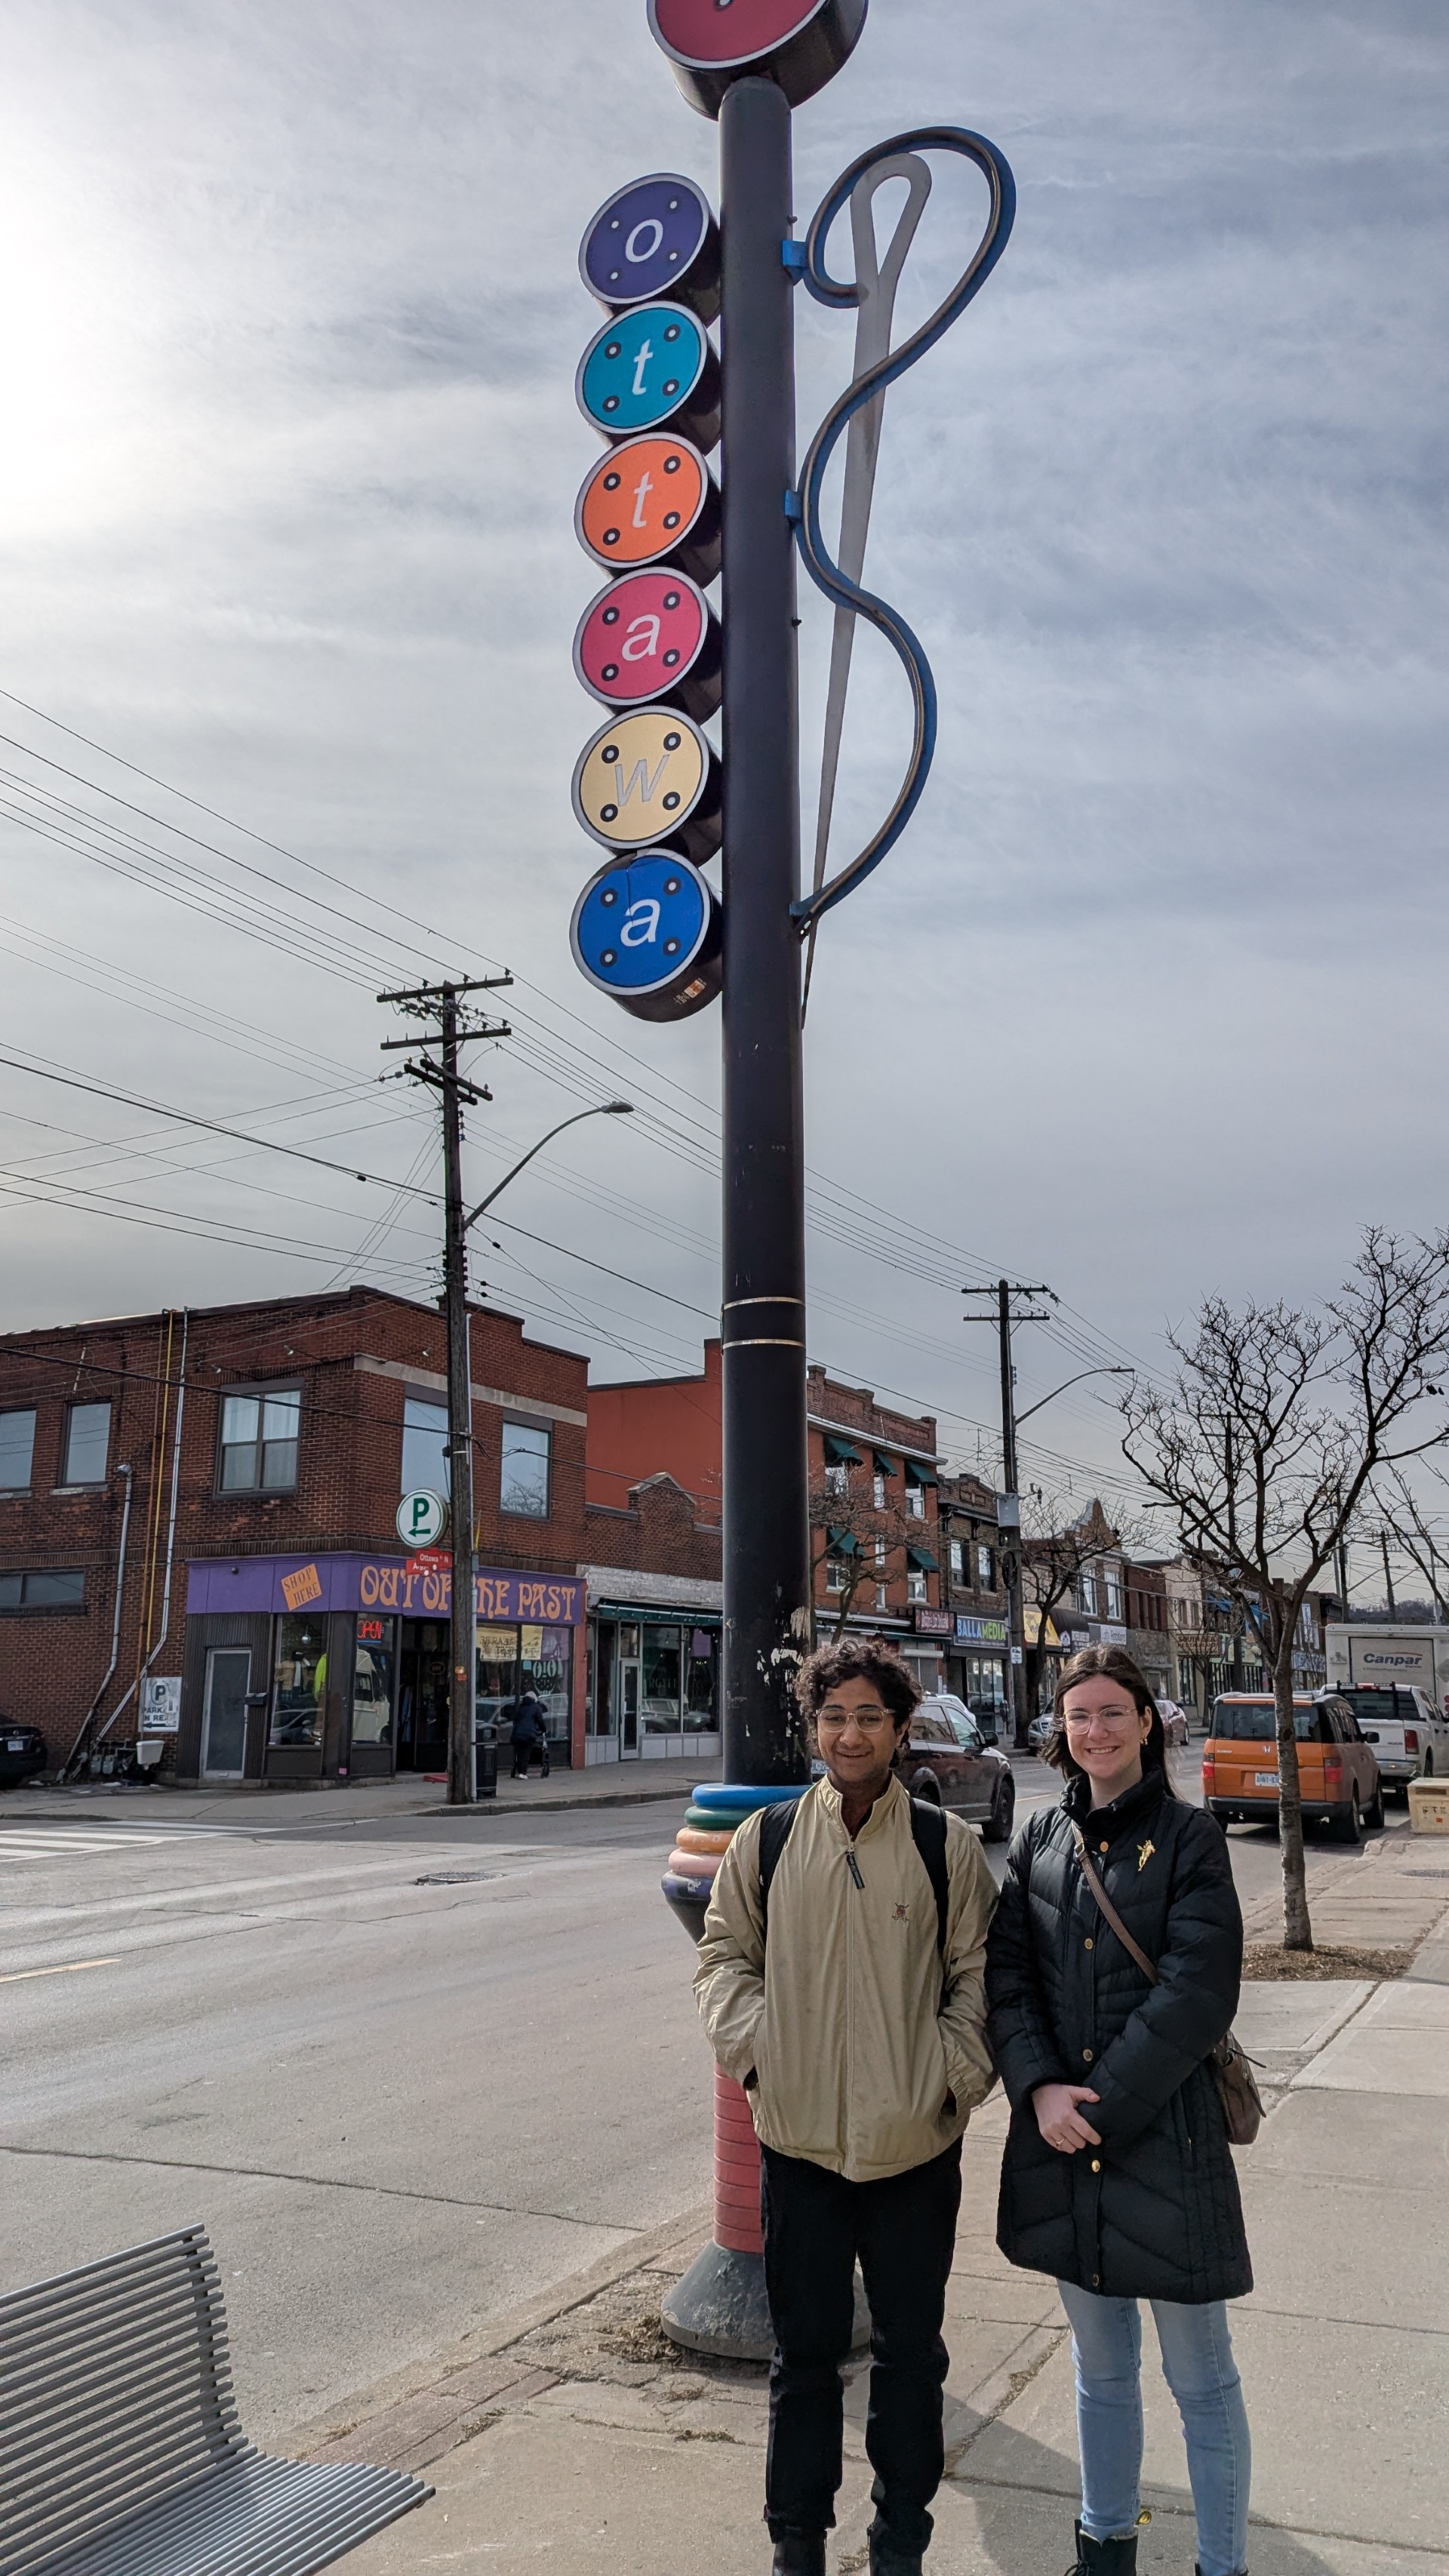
x=928, y=1833
x=775, y=1824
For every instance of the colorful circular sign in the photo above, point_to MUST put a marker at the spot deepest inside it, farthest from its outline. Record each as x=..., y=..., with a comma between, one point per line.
x=422, y=1518
x=647, y=931
x=648, y=367
x=799, y=44
x=658, y=236
x=648, y=774
x=653, y=500
x=651, y=635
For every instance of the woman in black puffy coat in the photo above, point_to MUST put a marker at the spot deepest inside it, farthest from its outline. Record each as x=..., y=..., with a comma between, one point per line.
x=1118, y=2178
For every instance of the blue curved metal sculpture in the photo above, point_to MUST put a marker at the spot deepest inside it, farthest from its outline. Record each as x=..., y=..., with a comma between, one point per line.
x=819, y=563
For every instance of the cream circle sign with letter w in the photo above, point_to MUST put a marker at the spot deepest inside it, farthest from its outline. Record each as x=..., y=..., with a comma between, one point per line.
x=421, y=1519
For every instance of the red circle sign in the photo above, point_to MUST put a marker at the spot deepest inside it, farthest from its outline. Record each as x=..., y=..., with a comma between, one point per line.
x=800, y=44
x=648, y=637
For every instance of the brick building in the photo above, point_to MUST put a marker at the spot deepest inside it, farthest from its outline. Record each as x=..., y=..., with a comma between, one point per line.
x=211, y=1496
x=978, y=1651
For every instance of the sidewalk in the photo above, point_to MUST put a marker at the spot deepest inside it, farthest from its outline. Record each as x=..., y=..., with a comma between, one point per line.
x=602, y=1784
x=580, y=2442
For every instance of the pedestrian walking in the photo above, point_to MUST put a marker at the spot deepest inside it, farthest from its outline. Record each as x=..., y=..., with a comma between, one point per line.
x=1117, y=2177
x=530, y=1729
x=840, y=1980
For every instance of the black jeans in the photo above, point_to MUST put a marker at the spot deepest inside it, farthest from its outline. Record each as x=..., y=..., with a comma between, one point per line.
x=903, y=2232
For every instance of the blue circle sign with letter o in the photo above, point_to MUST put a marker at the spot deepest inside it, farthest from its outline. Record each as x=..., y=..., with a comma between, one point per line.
x=647, y=931
x=655, y=237
x=649, y=366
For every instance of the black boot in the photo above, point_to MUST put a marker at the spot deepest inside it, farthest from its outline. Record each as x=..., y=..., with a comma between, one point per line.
x=799, y=2557
x=1104, y=2557
x=886, y=2561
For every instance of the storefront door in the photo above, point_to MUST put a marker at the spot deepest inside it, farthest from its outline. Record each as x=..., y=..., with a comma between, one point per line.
x=628, y=1689
x=224, y=1715
x=422, y=1704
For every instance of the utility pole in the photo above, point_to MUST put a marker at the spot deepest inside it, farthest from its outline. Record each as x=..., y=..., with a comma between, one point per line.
x=1008, y=1507
x=437, y=1004
x=1388, y=1577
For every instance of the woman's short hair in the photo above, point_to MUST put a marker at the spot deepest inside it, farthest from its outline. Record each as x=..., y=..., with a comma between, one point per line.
x=857, y=1659
x=1108, y=1664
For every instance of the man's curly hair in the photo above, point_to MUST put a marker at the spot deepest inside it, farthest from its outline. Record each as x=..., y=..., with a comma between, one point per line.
x=857, y=1659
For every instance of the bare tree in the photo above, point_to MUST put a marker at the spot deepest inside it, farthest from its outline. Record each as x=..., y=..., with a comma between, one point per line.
x=865, y=1543
x=1270, y=1437
x=1405, y=1526
x=1055, y=1554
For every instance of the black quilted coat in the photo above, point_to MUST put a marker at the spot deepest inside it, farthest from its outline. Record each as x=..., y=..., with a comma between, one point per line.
x=1154, y=2212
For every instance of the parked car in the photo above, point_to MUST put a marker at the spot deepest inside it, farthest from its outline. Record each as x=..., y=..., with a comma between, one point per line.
x=1338, y=1773
x=1039, y=1729
x=944, y=1759
x=1174, y=1721
x=1409, y=1735
x=22, y=1753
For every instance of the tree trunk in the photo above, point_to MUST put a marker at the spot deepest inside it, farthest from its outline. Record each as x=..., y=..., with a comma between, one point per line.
x=1297, y=1929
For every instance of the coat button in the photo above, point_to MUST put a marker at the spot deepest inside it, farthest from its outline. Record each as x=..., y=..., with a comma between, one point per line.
x=1096, y=2164
x=1087, y=1945
x=1096, y=2280
x=1104, y=1846
x=1086, y=2057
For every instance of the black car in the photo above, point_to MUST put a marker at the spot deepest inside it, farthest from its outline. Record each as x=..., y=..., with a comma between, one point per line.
x=946, y=1758
x=22, y=1753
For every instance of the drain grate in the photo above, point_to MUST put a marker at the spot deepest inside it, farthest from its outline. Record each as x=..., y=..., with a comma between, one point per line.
x=455, y=1877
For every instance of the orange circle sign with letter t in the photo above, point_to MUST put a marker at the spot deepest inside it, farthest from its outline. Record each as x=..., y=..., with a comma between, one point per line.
x=652, y=500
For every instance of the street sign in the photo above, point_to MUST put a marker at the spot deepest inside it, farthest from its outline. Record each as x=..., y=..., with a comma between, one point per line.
x=646, y=930
x=651, y=636
x=798, y=44
x=422, y=1518
x=658, y=236
x=653, y=500
x=160, y=1704
x=647, y=775
x=654, y=365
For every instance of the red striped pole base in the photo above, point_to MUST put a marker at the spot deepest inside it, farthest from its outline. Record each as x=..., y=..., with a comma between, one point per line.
x=736, y=2169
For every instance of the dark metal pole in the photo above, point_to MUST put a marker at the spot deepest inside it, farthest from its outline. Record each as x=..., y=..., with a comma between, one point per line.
x=1015, y=1619
x=766, y=1532
x=462, y=1786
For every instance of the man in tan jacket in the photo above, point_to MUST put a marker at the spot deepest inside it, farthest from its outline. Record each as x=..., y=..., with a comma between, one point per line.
x=856, y=2028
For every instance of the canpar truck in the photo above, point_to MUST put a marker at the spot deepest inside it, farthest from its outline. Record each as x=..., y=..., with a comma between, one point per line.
x=1396, y=1680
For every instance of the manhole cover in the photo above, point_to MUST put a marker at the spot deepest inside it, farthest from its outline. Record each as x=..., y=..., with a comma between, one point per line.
x=454, y=1877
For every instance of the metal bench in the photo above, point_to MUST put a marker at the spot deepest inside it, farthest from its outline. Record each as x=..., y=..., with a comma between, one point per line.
x=120, y=2449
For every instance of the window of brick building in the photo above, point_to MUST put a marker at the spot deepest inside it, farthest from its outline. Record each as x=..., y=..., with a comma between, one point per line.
x=259, y=1442
x=17, y=1449
x=424, y=1447
x=87, y=1443
x=915, y=1584
x=43, y=1588
x=837, y=1574
x=985, y=1569
x=527, y=1455
x=957, y=1552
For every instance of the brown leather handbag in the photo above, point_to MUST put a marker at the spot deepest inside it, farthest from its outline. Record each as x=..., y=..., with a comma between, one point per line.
x=1232, y=2067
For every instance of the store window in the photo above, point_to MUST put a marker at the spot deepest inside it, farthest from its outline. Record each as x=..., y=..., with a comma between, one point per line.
x=17, y=1450
x=87, y=1442
x=661, y=1701
x=299, y=1679
x=424, y=1447
x=545, y=1661
x=372, y=1678
x=41, y=1588
x=259, y=1442
x=700, y=1702
x=496, y=1684
x=527, y=1448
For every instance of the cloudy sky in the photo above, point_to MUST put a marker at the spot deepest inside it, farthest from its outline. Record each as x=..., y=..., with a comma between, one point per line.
x=1149, y=1001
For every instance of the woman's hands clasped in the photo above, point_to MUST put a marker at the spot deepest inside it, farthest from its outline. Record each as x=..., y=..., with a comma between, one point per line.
x=1060, y=2121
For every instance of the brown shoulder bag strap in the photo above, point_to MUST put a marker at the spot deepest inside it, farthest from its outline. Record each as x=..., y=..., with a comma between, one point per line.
x=1106, y=1907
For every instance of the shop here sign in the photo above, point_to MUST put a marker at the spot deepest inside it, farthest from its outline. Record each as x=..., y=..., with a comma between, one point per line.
x=418, y=1588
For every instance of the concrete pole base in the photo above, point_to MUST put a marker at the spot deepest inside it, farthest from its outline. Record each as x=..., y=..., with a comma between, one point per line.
x=720, y=2307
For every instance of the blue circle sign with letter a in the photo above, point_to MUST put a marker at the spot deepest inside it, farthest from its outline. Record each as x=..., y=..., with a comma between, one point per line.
x=647, y=930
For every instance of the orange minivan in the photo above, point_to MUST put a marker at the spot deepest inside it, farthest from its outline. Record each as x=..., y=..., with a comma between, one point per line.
x=1337, y=1771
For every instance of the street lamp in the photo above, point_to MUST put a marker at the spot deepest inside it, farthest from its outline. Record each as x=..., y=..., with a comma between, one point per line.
x=1107, y=1369
x=603, y=1109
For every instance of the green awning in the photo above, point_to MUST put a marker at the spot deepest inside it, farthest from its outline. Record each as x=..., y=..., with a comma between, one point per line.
x=840, y=1452
x=842, y=1542
x=922, y=1559
x=918, y=1475
x=884, y=1466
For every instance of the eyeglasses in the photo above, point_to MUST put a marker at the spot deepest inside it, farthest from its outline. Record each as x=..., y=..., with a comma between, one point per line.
x=842, y=1716
x=1078, y=1718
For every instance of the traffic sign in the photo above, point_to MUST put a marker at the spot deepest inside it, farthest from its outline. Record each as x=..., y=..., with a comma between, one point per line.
x=647, y=774
x=658, y=236
x=651, y=635
x=647, y=367
x=798, y=44
x=646, y=930
x=653, y=500
x=422, y=1518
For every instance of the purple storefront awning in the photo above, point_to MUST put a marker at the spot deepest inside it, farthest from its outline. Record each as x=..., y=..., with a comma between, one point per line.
x=397, y=1583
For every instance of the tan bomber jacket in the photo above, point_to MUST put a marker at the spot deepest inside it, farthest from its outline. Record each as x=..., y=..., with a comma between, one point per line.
x=844, y=2029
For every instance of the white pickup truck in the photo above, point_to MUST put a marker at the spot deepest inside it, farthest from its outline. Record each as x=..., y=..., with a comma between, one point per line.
x=1408, y=1732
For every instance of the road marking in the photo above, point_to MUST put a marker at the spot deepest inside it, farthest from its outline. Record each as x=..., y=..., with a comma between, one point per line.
x=71, y=1968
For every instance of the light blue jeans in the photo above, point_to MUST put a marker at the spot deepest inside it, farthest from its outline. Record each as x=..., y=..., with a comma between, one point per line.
x=1198, y=2365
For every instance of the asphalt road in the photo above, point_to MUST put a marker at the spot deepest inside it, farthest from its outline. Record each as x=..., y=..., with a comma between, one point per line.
x=401, y=2107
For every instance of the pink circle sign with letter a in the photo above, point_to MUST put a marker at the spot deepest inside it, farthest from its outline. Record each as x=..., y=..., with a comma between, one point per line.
x=800, y=44
x=650, y=636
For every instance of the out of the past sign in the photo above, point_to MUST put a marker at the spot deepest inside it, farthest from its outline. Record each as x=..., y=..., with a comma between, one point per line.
x=658, y=236
x=651, y=635
x=646, y=930
x=646, y=775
